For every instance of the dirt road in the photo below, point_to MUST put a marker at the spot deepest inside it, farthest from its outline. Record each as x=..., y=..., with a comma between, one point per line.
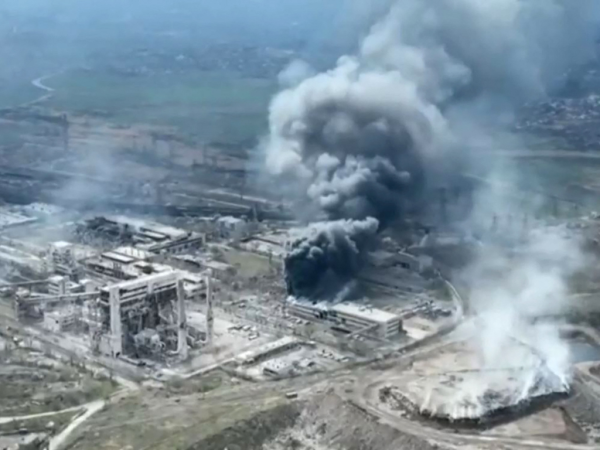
x=91, y=409
x=48, y=91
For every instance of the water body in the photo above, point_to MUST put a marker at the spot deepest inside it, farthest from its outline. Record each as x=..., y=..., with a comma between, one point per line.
x=583, y=351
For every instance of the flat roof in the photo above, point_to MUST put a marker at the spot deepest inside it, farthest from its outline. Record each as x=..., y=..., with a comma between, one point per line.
x=265, y=348
x=217, y=265
x=61, y=244
x=141, y=280
x=133, y=252
x=349, y=308
x=230, y=219
x=56, y=279
x=118, y=257
x=262, y=246
x=358, y=310
x=152, y=227
x=154, y=234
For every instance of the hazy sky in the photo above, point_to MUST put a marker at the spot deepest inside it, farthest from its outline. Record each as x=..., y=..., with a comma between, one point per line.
x=38, y=35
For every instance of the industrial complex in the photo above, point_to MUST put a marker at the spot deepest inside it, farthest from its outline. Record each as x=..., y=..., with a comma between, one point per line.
x=217, y=234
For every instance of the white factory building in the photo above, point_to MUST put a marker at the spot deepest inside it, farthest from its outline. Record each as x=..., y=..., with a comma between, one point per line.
x=348, y=317
x=57, y=321
x=232, y=228
x=123, y=299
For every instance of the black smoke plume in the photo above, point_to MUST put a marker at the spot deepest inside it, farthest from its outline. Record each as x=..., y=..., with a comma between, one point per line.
x=332, y=249
x=426, y=85
x=359, y=139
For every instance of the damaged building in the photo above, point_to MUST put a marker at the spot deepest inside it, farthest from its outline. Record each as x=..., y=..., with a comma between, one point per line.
x=153, y=237
x=144, y=317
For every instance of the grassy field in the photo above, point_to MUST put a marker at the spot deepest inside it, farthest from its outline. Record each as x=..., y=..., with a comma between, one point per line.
x=39, y=424
x=205, y=106
x=177, y=417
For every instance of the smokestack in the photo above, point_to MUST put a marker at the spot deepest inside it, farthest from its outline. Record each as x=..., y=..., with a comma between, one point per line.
x=209, y=308
x=182, y=348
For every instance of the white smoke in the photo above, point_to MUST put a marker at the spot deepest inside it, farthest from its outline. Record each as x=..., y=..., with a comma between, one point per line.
x=427, y=84
x=515, y=298
x=296, y=72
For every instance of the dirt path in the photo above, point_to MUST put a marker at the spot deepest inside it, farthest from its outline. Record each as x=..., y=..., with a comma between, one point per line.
x=4, y=420
x=91, y=409
x=48, y=91
x=56, y=441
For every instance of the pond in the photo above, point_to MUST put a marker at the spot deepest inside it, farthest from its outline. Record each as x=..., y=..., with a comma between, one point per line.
x=583, y=351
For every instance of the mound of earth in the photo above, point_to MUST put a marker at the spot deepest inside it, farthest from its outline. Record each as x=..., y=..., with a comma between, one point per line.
x=322, y=423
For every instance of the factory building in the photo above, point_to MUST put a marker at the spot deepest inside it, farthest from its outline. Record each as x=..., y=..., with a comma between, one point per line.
x=63, y=257
x=146, y=309
x=232, y=228
x=60, y=285
x=125, y=263
x=268, y=350
x=190, y=242
x=62, y=260
x=220, y=270
x=57, y=285
x=272, y=245
x=149, y=236
x=348, y=317
x=57, y=321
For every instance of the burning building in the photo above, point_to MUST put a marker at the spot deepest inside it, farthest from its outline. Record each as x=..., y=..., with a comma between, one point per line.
x=327, y=253
x=374, y=137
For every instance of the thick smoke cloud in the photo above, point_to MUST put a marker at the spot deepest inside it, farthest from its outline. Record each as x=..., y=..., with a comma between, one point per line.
x=334, y=247
x=359, y=138
x=363, y=139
